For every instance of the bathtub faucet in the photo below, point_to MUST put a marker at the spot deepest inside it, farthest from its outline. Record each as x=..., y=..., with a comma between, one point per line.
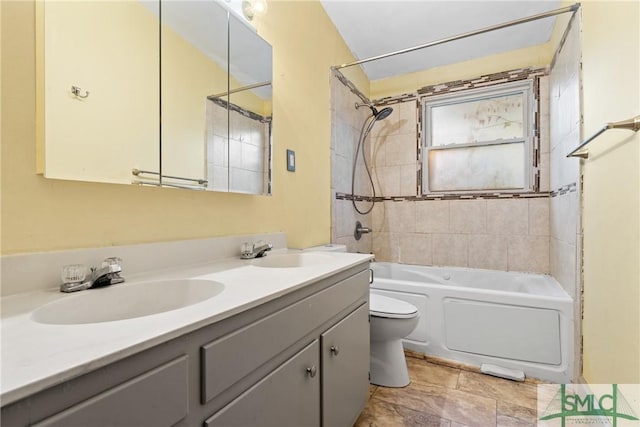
x=360, y=230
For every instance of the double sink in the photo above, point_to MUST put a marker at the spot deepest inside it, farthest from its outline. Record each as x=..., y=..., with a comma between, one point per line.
x=134, y=300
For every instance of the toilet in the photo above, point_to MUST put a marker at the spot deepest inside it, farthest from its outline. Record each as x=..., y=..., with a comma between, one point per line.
x=391, y=321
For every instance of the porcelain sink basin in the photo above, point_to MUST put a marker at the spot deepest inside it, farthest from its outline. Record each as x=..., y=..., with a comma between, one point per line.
x=126, y=301
x=304, y=259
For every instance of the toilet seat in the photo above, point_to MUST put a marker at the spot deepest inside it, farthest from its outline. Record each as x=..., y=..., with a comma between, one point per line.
x=391, y=308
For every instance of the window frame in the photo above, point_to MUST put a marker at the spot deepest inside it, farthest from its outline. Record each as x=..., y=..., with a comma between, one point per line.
x=524, y=87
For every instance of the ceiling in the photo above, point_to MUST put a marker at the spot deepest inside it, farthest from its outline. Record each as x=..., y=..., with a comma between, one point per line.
x=376, y=27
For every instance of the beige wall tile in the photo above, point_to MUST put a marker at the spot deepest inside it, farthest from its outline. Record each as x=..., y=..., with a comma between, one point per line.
x=563, y=265
x=408, y=180
x=400, y=150
x=377, y=149
x=402, y=216
x=539, y=217
x=507, y=217
x=432, y=216
x=407, y=117
x=488, y=251
x=545, y=170
x=529, y=254
x=450, y=250
x=385, y=247
x=415, y=248
x=563, y=216
x=378, y=217
x=468, y=216
x=387, y=181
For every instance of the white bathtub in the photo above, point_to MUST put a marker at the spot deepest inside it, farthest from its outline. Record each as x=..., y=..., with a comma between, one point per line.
x=516, y=320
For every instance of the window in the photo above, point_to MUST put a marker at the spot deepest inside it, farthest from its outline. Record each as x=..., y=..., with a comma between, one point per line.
x=478, y=141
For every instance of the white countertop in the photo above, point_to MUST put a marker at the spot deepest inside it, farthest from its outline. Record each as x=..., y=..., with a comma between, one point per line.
x=36, y=356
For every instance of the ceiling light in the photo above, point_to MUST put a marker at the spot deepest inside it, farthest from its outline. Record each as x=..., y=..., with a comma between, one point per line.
x=252, y=8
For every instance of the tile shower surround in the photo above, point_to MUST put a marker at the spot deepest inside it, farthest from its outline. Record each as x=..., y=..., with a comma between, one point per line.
x=564, y=209
x=493, y=230
x=499, y=234
x=346, y=123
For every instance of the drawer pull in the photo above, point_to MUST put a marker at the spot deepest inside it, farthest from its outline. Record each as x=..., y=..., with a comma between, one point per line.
x=312, y=371
x=335, y=350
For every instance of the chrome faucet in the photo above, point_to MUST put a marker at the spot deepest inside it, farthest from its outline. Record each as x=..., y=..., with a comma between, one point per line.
x=255, y=250
x=73, y=276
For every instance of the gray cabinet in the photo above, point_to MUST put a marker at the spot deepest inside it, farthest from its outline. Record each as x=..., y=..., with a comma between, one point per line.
x=289, y=396
x=345, y=369
x=270, y=365
x=158, y=397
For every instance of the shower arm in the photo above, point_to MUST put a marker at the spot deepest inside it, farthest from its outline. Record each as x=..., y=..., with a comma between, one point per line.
x=630, y=124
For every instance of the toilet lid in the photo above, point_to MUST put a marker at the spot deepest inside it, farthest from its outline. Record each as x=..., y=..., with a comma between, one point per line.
x=382, y=306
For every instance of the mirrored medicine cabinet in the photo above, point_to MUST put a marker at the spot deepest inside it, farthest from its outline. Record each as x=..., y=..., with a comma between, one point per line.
x=159, y=92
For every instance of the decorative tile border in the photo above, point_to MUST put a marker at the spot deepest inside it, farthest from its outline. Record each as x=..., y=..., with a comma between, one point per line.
x=569, y=188
x=345, y=81
x=458, y=85
x=249, y=114
x=436, y=197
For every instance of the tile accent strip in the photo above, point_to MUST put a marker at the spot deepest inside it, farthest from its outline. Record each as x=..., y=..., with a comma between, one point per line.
x=435, y=197
x=569, y=188
x=458, y=85
x=345, y=81
x=249, y=114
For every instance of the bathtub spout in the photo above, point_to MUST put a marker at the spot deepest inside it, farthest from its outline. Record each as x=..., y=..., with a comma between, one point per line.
x=360, y=230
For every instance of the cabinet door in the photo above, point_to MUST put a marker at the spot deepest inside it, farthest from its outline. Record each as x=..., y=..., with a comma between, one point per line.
x=289, y=396
x=345, y=369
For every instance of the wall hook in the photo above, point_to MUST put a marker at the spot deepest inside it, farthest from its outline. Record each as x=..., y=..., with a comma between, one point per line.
x=76, y=91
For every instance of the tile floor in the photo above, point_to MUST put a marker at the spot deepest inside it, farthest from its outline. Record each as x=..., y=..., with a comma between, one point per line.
x=447, y=396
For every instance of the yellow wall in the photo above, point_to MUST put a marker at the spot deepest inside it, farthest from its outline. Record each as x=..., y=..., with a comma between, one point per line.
x=535, y=56
x=611, y=213
x=44, y=215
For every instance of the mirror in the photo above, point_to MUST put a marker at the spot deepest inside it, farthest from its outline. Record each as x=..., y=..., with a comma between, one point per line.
x=184, y=103
x=249, y=108
x=193, y=64
x=108, y=51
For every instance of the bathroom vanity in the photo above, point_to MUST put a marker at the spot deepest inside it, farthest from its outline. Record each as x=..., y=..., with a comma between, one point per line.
x=294, y=353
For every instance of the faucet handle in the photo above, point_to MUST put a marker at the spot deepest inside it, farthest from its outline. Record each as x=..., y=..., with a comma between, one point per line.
x=246, y=249
x=114, y=264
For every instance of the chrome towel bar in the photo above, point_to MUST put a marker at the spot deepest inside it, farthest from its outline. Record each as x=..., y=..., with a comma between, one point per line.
x=631, y=124
x=138, y=172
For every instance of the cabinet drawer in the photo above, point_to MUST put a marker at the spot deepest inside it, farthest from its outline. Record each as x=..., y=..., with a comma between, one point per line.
x=289, y=396
x=232, y=357
x=159, y=397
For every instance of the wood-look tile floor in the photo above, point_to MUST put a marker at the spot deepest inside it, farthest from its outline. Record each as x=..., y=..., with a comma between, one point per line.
x=450, y=397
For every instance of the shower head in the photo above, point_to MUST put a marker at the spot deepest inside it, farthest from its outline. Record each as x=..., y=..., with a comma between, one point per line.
x=382, y=114
x=378, y=115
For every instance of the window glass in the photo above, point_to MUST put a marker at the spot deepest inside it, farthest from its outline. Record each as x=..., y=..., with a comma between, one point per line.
x=476, y=121
x=479, y=140
x=486, y=167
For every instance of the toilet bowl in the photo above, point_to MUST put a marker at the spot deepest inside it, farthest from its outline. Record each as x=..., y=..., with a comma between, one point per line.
x=391, y=320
